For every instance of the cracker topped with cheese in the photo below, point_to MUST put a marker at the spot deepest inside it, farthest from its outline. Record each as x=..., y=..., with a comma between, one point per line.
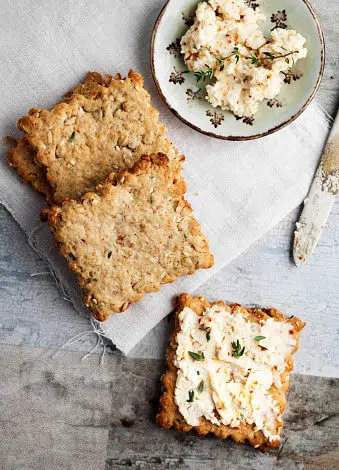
x=228, y=371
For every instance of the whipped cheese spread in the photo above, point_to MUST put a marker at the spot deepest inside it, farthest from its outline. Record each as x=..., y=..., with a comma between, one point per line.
x=247, y=66
x=219, y=380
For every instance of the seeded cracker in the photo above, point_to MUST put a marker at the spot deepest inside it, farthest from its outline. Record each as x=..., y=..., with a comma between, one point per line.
x=228, y=371
x=134, y=234
x=22, y=157
x=103, y=125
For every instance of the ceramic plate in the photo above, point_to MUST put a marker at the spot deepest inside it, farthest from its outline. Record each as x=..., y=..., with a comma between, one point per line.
x=186, y=98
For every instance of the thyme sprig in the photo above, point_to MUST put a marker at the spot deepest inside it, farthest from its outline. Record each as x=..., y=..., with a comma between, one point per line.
x=238, y=351
x=209, y=72
x=221, y=60
x=270, y=56
x=255, y=60
x=203, y=74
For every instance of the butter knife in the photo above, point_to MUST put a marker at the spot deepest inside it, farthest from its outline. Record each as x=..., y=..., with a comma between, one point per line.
x=320, y=199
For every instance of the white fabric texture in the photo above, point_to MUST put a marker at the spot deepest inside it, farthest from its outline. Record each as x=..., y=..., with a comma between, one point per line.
x=238, y=190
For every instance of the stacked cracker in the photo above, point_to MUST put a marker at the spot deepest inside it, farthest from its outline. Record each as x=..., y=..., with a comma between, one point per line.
x=112, y=180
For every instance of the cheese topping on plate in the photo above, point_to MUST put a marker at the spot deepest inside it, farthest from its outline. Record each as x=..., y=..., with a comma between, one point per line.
x=225, y=43
x=227, y=365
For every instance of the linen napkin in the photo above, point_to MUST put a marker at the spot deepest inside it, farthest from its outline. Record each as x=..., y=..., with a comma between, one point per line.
x=238, y=190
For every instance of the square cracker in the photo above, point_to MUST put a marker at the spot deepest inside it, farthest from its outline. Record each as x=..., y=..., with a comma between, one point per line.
x=134, y=234
x=169, y=414
x=22, y=158
x=105, y=124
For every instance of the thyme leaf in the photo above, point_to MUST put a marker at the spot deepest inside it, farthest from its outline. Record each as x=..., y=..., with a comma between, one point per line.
x=208, y=331
x=236, y=54
x=237, y=350
x=254, y=59
x=190, y=396
x=221, y=63
x=196, y=356
x=271, y=56
x=200, y=387
x=259, y=338
x=71, y=139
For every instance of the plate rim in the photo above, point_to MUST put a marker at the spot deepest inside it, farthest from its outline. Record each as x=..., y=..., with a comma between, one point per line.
x=235, y=137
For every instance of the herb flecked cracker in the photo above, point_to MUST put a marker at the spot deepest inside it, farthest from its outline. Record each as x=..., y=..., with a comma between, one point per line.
x=228, y=371
x=105, y=124
x=134, y=234
x=22, y=158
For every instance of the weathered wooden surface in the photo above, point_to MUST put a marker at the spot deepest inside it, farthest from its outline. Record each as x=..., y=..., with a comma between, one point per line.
x=328, y=96
x=264, y=274
x=61, y=413
x=68, y=414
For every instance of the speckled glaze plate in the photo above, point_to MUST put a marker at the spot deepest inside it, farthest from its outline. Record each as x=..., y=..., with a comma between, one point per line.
x=186, y=98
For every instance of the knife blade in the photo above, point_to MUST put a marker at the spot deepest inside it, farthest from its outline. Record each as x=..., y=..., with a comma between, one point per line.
x=320, y=199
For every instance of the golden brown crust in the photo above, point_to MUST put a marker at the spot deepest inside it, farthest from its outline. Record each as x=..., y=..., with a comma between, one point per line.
x=169, y=414
x=134, y=234
x=103, y=125
x=22, y=158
